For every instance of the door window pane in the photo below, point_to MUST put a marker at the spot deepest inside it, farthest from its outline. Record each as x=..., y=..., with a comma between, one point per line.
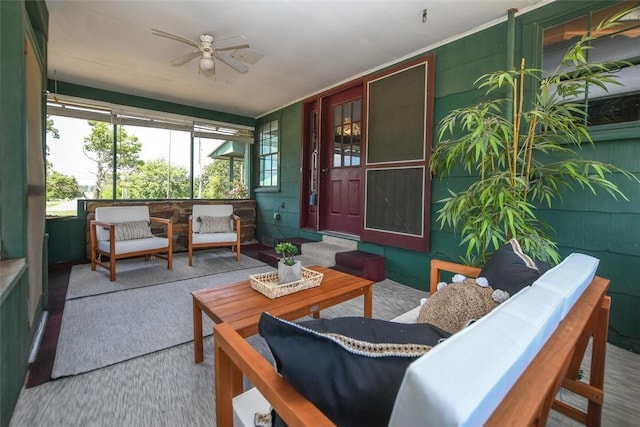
x=346, y=140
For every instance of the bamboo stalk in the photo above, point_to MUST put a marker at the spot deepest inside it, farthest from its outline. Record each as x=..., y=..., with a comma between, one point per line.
x=513, y=123
x=529, y=155
x=520, y=108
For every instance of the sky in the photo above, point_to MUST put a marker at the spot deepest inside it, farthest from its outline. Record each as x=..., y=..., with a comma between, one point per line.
x=67, y=156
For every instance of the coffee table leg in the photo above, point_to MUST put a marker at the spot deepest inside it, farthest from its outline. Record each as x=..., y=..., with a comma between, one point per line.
x=368, y=302
x=197, y=333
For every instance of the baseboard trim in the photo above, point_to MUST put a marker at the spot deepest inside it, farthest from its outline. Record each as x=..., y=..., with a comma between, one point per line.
x=38, y=339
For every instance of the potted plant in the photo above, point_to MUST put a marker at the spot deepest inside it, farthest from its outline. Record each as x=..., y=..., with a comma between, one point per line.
x=289, y=270
x=519, y=147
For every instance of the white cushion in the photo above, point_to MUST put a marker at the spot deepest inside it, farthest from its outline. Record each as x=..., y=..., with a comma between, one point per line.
x=410, y=316
x=209, y=210
x=540, y=308
x=245, y=406
x=114, y=214
x=570, y=278
x=461, y=381
x=127, y=246
x=214, y=238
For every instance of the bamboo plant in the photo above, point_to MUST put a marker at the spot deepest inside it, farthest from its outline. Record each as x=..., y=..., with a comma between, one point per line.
x=524, y=151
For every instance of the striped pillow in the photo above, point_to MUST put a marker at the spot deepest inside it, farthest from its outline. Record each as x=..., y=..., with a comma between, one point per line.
x=133, y=230
x=215, y=224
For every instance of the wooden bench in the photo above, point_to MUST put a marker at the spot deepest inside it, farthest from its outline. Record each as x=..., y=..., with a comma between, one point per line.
x=528, y=402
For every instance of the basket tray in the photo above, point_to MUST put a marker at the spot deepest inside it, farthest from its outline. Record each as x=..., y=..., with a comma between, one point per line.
x=268, y=285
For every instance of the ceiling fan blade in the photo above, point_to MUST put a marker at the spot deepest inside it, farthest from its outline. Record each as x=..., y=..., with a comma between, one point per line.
x=231, y=42
x=249, y=57
x=233, y=63
x=175, y=37
x=235, y=47
x=185, y=58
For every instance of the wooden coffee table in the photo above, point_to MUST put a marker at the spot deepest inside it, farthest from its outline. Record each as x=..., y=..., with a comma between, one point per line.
x=240, y=306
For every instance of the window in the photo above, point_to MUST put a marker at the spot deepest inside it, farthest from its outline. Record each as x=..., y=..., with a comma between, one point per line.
x=155, y=157
x=268, y=154
x=346, y=134
x=79, y=154
x=152, y=163
x=619, y=103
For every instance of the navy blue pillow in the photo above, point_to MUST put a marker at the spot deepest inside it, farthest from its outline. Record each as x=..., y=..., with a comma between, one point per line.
x=349, y=367
x=510, y=269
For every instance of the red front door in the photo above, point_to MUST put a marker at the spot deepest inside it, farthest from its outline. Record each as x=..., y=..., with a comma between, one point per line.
x=341, y=192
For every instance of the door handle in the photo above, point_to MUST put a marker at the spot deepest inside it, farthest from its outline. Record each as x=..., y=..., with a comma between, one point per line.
x=325, y=170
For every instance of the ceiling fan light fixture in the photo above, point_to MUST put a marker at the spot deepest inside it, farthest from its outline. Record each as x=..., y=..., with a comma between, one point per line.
x=207, y=64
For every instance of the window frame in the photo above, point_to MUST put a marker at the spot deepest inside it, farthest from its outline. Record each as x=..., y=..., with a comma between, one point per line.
x=591, y=17
x=259, y=156
x=117, y=116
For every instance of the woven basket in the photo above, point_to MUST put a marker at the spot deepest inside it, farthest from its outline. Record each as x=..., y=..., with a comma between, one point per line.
x=268, y=285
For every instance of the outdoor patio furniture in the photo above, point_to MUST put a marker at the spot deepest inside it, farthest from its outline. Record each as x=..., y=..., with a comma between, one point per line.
x=119, y=232
x=213, y=226
x=504, y=369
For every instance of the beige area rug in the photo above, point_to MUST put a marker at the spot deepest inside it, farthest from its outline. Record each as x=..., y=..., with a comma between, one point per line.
x=136, y=272
x=109, y=328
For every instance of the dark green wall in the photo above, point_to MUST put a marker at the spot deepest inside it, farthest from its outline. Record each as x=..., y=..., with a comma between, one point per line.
x=608, y=229
x=268, y=201
x=17, y=18
x=67, y=239
x=15, y=340
x=594, y=224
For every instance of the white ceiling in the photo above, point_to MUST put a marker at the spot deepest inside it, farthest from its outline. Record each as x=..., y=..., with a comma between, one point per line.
x=308, y=45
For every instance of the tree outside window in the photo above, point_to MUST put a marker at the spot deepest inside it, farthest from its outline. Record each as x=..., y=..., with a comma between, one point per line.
x=150, y=163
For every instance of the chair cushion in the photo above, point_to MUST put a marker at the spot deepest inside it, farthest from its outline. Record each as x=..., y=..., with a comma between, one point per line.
x=116, y=214
x=463, y=380
x=209, y=210
x=199, y=238
x=570, y=278
x=215, y=224
x=132, y=230
x=246, y=405
x=349, y=367
x=410, y=316
x=510, y=269
x=128, y=246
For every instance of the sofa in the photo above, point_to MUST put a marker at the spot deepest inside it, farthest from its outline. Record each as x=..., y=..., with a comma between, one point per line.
x=504, y=369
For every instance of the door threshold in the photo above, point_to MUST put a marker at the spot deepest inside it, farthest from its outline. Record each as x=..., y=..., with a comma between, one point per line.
x=341, y=235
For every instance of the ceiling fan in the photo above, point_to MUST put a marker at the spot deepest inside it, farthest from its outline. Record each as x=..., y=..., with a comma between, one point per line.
x=209, y=49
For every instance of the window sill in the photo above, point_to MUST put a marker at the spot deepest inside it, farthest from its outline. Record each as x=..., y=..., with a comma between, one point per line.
x=10, y=269
x=267, y=190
